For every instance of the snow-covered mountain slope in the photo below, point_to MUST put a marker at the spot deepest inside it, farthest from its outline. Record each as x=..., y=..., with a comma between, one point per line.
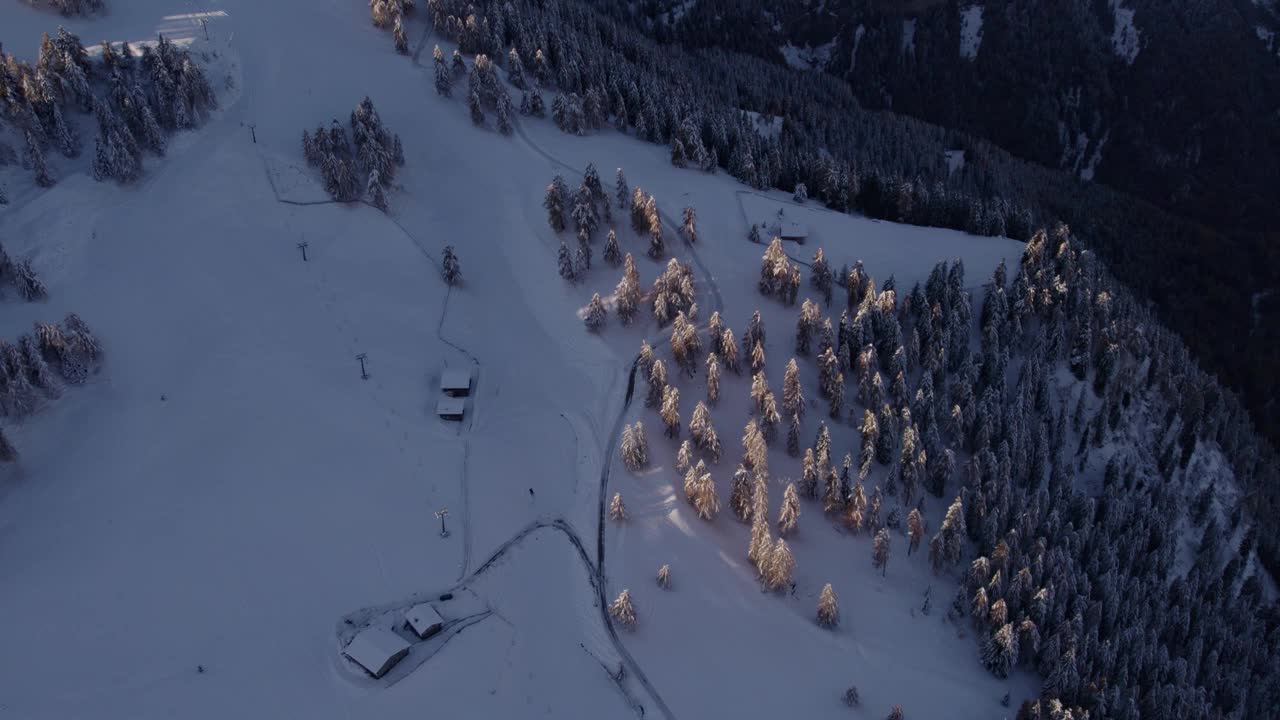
x=196, y=532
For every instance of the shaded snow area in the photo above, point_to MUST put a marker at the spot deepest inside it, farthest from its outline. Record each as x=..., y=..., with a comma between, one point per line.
x=908, y=36
x=970, y=31
x=857, y=40
x=769, y=127
x=808, y=58
x=200, y=530
x=955, y=160
x=1125, y=40
x=1268, y=38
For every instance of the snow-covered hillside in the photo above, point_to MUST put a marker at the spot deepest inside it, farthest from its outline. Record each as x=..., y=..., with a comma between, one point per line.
x=197, y=532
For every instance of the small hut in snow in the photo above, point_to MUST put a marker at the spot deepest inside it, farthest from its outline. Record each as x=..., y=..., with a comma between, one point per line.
x=376, y=650
x=451, y=408
x=456, y=383
x=792, y=231
x=424, y=620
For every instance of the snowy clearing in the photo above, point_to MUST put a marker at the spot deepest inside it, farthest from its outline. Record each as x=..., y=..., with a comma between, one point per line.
x=970, y=31
x=1125, y=38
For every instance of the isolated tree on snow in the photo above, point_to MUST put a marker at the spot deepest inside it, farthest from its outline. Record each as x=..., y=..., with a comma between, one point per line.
x=689, y=228
x=28, y=284
x=7, y=451
x=729, y=350
x=612, y=253
x=35, y=161
x=617, y=511
x=896, y=713
x=568, y=268
x=634, y=447
x=789, y=512
x=595, y=316
x=793, y=437
x=820, y=275
x=780, y=566
x=397, y=32
x=584, y=212
x=684, y=456
x=880, y=551
x=623, y=193
x=792, y=395
x=628, y=291
x=915, y=530
x=713, y=378
x=475, y=107
x=504, y=112
x=670, y=411
x=664, y=577
x=828, y=607
x=754, y=234
x=452, y=270
x=657, y=384
x=622, y=611
x=554, y=202
x=851, y=697
x=444, y=77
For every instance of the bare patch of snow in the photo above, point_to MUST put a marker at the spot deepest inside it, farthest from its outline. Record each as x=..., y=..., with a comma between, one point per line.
x=908, y=36
x=1091, y=165
x=808, y=58
x=1268, y=38
x=970, y=31
x=1125, y=39
x=955, y=160
x=769, y=127
x=857, y=40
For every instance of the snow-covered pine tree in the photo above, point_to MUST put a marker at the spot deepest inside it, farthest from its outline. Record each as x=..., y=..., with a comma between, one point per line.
x=793, y=436
x=475, y=107
x=28, y=284
x=634, y=447
x=915, y=530
x=779, y=567
x=713, y=378
x=792, y=395
x=828, y=607
x=536, y=107
x=35, y=161
x=628, y=291
x=584, y=212
x=880, y=551
x=789, y=512
x=595, y=316
x=565, y=262
x=397, y=34
x=451, y=268
x=7, y=451
x=689, y=228
x=657, y=384
x=617, y=511
x=664, y=577
x=622, y=611
x=504, y=112
x=554, y=202
x=444, y=76
x=612, y=253
x=670, y=411
x=623, y=193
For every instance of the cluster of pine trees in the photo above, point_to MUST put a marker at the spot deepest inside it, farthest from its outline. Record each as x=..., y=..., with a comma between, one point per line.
x=361, y=168
x=1051, y=566
x=34, y=368
x=881, y=164
x=136, y=98
x=21, y=275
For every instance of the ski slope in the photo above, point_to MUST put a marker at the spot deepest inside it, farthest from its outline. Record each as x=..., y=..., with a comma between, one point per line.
x=228, y=491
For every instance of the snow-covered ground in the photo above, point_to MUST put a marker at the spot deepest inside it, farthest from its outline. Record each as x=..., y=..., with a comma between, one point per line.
x=970, y=31
x=1125, y=38
x=228, y=492
x=806, y=57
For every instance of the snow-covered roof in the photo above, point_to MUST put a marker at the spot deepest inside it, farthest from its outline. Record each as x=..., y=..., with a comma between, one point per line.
x=376, y=650
x=792, y=229
x=423, y=619
x=453, y=380
x=451, y=407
